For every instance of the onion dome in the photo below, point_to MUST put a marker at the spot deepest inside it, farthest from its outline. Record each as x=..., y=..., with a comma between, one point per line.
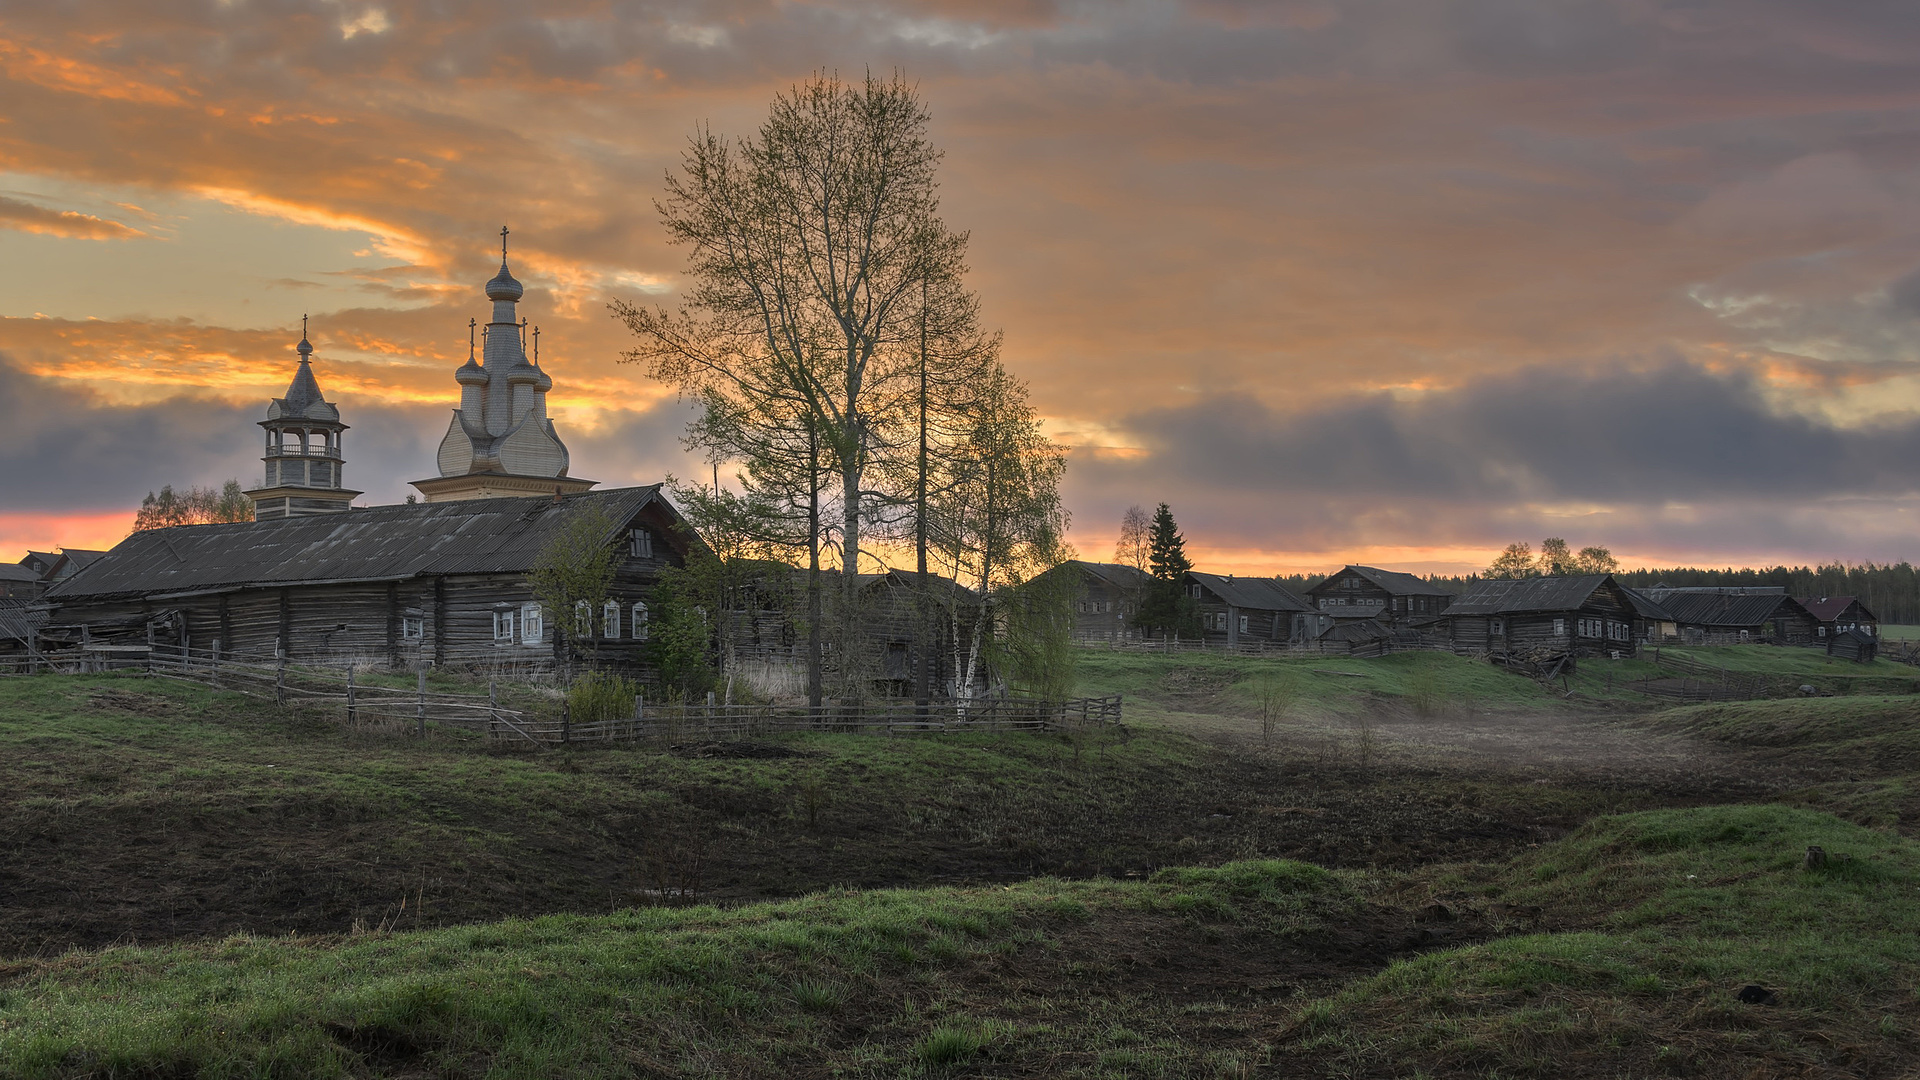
x=504, y=286
x=545, y=382
x=470, y=374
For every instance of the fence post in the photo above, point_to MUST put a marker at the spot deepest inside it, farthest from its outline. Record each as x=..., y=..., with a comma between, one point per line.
x=420, y=708
x=33, y=650
x=352, y=714
x=566, y=721
x=86, y=649
x=279, y=675
x=213, y=665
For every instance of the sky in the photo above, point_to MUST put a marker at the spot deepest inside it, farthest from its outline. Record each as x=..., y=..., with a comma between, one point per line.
x=1384, y=281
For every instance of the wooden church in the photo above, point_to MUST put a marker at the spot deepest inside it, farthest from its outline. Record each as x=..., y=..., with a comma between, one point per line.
x=442, y=580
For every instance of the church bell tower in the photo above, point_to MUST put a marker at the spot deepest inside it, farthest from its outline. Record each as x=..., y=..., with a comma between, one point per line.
x=303, y=449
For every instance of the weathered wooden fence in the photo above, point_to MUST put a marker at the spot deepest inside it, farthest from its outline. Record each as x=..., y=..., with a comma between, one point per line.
x=700, y=723
x=416, y=707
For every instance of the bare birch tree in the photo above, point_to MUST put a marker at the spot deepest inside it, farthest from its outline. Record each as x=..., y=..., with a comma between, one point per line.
x=807, y=244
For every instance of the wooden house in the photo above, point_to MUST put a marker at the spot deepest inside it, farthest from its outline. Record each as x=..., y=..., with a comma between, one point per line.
x=1368, y=592
x=438, y=582
x=1107, y=596
x=1835, y=615
x=1237, y=610
x=888, y=610
x=1723, y=615
x=19, y=582
x=1586, y=614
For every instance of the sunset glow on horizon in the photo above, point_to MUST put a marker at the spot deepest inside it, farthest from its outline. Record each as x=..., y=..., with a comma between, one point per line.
x=1390, y=283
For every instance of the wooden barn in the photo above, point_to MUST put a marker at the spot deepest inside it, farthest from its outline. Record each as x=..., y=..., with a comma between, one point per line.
x=1238, y=610
x=1719, y=615
x=439, y=582
x=1107, y=597
x=1835, y=615
x=1853, y=644
x=1587, y=614
x=1368, y=592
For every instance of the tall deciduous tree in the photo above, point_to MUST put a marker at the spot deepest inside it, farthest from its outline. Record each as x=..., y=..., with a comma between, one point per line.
x=1596, y=560
x=995, y=522
x=195, y=506
x=1515, y=562
x=1556, y=559
x=1136, y=539
x=808, y=245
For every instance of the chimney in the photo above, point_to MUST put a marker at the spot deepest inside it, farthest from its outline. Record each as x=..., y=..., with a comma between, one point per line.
x=556, y=495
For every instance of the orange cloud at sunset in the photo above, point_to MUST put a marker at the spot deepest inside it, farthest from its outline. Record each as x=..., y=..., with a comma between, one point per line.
x=1391, y=282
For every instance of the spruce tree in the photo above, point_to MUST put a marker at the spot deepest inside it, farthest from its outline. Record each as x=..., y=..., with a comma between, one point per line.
x=1167, y=554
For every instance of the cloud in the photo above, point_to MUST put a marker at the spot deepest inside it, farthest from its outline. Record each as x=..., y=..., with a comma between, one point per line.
x=1380, y=226
x=1639, y=454
x=71, y=224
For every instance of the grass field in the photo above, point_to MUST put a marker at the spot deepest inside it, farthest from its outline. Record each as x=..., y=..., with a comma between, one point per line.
x=262, y=893
x=1646, y=926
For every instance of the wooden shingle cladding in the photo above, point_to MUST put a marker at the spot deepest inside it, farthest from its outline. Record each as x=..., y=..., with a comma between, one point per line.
x=443, y=582
x=1835, y=615
x=1368, y=592
x=1590, y=613
x=1715, y=614
x=1106, y=597
x=1236, y=609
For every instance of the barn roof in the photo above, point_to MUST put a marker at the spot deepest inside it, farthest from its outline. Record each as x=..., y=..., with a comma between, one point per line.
x=1393, y=581
x=1252, y=593
x=1829, y=608
x=375, y=543
x=16, y=572
x=1504, y=597
x=1646, y=606
x=1716, y=607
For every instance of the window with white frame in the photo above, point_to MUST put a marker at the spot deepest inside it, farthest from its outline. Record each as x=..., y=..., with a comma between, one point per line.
x=503, y=625
x=1243, y=624
x=1559, y=627
x=642, y=542
x=412, y=628
x=533, y=624
x=610, y=619
x=639, y=623
x=582, y=619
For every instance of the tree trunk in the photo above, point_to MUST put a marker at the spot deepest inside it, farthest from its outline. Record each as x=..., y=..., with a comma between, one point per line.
x=922, y=653
x=815, y=692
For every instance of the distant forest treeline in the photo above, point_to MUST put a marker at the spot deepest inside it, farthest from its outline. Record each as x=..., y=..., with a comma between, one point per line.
x=1891, y=592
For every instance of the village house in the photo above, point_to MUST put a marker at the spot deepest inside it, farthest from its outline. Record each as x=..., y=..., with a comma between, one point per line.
x=1718, y=615
x=1106, y=597
x=1835, y=615
x=1240, y=610
x=1368, y=592
x=1585, y=614
x=441, y=582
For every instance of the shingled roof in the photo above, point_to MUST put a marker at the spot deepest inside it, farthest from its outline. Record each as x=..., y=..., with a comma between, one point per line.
x=375, y=543
x=1716, y=607
x=1828, y=608
x=1252, y=593
x=1393, y=581
x=1508, y=597
x=1118, y=574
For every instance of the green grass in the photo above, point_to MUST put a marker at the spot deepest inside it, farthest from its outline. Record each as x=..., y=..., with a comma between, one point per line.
x=1329, y=685
x=682, y=990
x=1669, y=913
x=1651, y=922
x=1900, y=633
